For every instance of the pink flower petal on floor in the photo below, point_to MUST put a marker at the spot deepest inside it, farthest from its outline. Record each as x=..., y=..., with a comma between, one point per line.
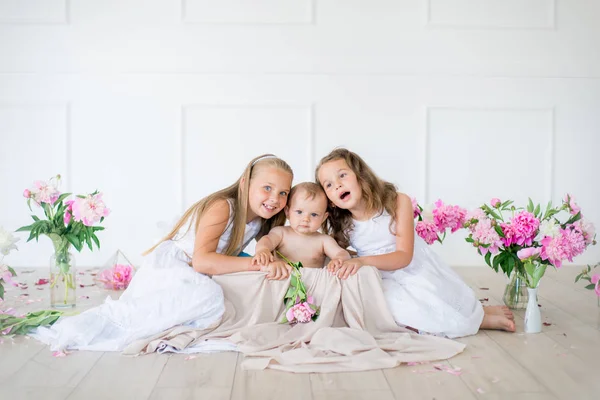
x=190, y=358
x=480, y=390
x=412, y=363
x=42, y=281
x=59, y=354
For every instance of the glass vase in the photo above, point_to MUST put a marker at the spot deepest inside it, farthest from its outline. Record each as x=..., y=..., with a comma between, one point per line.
x=515, y=294
x=62, y=274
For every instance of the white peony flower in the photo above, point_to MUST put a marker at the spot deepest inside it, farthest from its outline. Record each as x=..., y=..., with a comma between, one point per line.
x=7, y=241
x=427, y=213
x=549, y=228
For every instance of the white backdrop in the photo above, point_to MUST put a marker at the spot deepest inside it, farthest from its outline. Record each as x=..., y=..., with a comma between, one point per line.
x=157, y=103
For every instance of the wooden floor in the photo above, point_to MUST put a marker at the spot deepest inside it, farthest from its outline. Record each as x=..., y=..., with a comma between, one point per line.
x=560, y=363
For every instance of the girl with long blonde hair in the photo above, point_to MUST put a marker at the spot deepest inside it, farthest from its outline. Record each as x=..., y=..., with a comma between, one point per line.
x=166, y=291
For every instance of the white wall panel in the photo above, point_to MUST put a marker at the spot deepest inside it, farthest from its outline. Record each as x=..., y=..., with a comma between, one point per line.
x=146, y=99
x=245, y=12
x=34, y=12
x=502, y=14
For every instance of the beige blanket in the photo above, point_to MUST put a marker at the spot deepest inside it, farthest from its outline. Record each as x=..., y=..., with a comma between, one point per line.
x=354, y=331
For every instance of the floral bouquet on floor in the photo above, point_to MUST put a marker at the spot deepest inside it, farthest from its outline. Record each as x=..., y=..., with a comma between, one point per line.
x=68, y=223
x=523, y=242
x=7, y=243
x=434, y=220
x=118, y=274
x=299, y=306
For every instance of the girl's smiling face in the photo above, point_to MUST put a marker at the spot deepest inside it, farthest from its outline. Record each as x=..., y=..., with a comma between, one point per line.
x=268, y=191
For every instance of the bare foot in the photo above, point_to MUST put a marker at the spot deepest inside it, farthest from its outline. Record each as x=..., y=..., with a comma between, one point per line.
x=499, y=310
x=497, y=322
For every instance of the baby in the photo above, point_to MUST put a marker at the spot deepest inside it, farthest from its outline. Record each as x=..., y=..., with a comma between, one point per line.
x=300, y=241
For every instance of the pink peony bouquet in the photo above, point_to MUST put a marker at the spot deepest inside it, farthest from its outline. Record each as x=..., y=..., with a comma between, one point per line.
x=436, y=219
x=117, y=277
x=299, y=306
x=68, y=223
x=527, y=240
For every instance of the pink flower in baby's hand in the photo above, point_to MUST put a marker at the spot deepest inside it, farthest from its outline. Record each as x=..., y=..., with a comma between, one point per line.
x=300, y=312
x=495, y=202
x=596, y=281
x=529, y=252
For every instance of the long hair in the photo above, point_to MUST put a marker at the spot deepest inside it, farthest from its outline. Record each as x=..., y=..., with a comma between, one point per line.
x=377, y=194
x=239, y=194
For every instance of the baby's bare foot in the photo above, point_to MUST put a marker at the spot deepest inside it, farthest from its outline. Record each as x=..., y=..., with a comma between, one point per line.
x=499, y=310
x=498, y=322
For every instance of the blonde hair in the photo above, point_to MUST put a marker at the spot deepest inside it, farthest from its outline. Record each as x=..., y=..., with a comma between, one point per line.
x=311, y=189
x=239, y=194
x=377, y=194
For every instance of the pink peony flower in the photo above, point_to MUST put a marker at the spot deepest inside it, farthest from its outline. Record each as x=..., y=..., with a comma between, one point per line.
x=474, y=216
x=524, y=226
x=573, y=207
x=509, y=234
x=596, y=281
x=495, y=202
x=528, y=252
x=27, y=193
x=90, y=209
x=484, y=233
x=117, y=278
x=427, y=230
x=44, y=192
x=575, y=242
x=587, y=229
x=447, y=216
x=68, y=211
x=554, y=250
x=300, y=312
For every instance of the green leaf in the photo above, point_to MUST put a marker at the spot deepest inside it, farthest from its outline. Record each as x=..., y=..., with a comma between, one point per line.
x=590, y=286
x=12, y=271
x=1, y=291
x=74, y=240
x=536, y=211
x=498, y=230
x=95, y=239
x=47, y=210
x=62, y=197
x=530, y=205
x=538, y=273
x=294, y=281
x=26, y=228
x=97, y=228
x=488, y=256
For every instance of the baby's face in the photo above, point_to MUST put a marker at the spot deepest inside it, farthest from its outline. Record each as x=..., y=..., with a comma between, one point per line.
x=305, y=214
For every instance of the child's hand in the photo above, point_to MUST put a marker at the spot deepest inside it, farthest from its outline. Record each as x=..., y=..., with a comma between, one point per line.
x=334, y=265
x=277, y=270
x=349, y=267
x=262, y=257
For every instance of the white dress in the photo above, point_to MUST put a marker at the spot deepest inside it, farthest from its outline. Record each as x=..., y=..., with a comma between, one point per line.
x=164, y=292
x=427, y=294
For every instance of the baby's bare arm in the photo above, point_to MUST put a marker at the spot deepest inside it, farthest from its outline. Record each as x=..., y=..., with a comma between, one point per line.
x=333, y=250
x=265, y=246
